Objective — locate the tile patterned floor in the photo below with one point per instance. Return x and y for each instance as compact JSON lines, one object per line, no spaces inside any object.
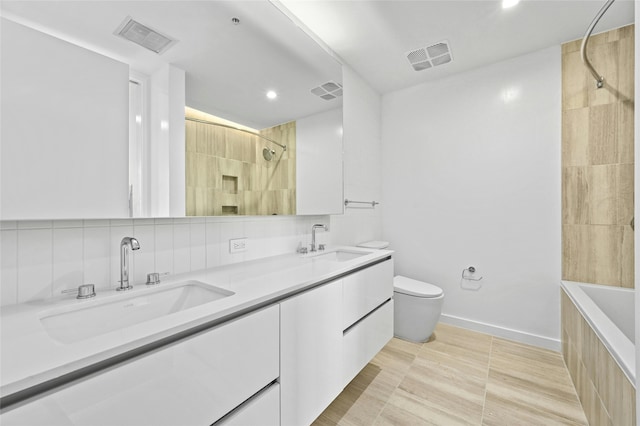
{"x":459,"y":377}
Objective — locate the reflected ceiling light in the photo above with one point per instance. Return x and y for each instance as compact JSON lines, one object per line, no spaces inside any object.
{"x":271,"y":94}
{"x":506,"y":4}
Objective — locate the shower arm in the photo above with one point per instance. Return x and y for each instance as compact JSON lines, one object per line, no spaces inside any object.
{"x":197,"y":120}
{"x":585,"y":40}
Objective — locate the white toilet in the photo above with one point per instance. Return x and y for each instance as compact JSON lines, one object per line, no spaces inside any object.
{"x":417,"y":305}
{"x":417,"y":308}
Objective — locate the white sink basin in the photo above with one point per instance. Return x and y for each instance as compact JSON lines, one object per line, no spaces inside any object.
{"x":340,"y":255}
{"x":78,"y":324}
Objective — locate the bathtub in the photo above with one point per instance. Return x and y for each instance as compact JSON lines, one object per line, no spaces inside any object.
{"x":610,"y":311}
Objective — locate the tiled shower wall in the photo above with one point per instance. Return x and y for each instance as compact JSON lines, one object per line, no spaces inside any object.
{"x":598,"y":161}
{"x":42,"y":258}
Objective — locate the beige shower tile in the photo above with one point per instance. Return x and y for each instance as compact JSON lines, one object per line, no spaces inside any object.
{"x":626,"y":52}
{"x":575,"y":137}
{"x":575,"y":195}
{"x":190,"y":136}
{"x":606,"y":254}
{"x":575,"y":259}
{"x":625,"y":130}
{"x":571,"y":46}
{"x":628,"y":260}
{"x":574,"y":80}
{"x":603,"y":134}
{"x":191,"y":169}
{"x":602,"y":196}
{"x":624,"y":195}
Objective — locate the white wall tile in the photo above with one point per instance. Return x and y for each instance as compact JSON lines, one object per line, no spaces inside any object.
{"x":35,"y":224}
{"x":213,"y":244}
{"x":35,"y":257}
{"x":181,"y":247}
{"x":97,"y":257}
{"x":68,"y":265}
{"x":198,"y":231}
{"x":144,"y":259}
{"x":164,"y":248}
{"x":9,"y":265}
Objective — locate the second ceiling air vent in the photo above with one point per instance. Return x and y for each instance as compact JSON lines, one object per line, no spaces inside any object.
{"x":327,"y":91}
{"x":430,"y":56}
{"x":144,"y":36}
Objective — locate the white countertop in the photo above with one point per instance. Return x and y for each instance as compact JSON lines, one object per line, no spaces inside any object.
{"x":29,"y":356}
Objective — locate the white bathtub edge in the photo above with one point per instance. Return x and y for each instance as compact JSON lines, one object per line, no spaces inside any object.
{"x":503,"y":332}
{"x":622,"y":350}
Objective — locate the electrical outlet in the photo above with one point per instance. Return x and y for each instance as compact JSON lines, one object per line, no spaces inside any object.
{"x":237,"y":245}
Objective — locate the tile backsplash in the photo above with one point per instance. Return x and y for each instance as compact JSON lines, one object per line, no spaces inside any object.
{"x":42,"y":258}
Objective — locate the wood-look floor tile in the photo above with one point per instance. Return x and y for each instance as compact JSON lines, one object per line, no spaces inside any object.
{"x":408,"y":409}
{"x":446,"y":387}
{"x":510,"y":395}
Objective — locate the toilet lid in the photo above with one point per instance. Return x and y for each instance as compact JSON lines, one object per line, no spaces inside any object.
{"x":378,"y":245}
{"x":417,"y":288}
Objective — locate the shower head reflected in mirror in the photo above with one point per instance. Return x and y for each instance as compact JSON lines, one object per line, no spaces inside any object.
{"x":268,"y":154}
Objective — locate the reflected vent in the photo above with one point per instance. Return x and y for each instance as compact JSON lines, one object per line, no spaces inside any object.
{"x":430,"y":56}
{"x":144,"y":36}
{"x":328,"y":91}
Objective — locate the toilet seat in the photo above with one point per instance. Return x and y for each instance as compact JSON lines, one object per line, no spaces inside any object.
{"x":415,"y":288}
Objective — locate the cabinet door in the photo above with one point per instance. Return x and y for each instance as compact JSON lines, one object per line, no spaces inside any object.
{"x":366,"y":290}
{"x":263,"y":409}
{"x":365,"y":339}
{"x":192,"y":382}
{"x":310,"y":353}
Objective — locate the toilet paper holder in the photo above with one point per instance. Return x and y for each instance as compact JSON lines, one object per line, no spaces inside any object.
{"x":470,"y":270}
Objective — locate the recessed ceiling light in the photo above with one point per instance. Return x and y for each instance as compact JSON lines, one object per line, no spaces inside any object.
{"x":506,"y":4}
{"x":271,"y":94}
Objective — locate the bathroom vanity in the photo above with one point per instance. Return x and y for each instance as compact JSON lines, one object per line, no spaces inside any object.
{"x":273,"y":343}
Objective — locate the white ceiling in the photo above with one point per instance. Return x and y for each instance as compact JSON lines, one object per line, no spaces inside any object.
{"x":373,"y":37}
{"x":229,"y":68}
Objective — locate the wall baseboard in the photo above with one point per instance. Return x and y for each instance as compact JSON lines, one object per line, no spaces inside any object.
{"x":503,"y":332}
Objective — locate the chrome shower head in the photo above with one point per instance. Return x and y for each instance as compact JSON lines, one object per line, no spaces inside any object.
{"x":268,"y":154}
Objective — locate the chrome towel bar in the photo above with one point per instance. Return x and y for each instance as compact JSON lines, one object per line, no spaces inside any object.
{"x":372,"y":203}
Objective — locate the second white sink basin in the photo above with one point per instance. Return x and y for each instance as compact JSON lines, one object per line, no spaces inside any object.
{"x":340,"y":255}
{"x":95,"y":319}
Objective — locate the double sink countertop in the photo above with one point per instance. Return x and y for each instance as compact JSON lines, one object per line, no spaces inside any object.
{"x":32,"y":357}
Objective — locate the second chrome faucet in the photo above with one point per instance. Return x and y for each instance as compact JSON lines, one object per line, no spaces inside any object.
{"x":313,"y":234}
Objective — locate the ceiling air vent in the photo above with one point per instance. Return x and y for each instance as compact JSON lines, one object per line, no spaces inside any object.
{"x":327,"y":91}
{"x":430,"y":56}
{"x":144,"y":36}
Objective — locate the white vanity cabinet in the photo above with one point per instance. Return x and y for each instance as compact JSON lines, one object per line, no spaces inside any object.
{"x":195,"y":381}
{"x":367,"y":316}
{"x":310,"y":353}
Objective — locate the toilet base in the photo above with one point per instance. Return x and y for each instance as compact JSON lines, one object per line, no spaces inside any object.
{"x":415,"y":318}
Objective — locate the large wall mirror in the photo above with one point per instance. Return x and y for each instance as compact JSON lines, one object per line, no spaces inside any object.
{"x":168,"y":108}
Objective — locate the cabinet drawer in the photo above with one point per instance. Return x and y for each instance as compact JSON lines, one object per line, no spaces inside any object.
{"x":263,"y":409}
{"x":195,"y":381}
{"x":364,"y":290}
{"x":365,"y":339}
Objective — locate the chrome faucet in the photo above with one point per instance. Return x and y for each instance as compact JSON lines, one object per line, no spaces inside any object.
{"x":124,"y":261}
{"x":313,"y":234}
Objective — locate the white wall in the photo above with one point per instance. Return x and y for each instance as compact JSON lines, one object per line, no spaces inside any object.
{"x":472,"y":177}
{"x":362,"y":162}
